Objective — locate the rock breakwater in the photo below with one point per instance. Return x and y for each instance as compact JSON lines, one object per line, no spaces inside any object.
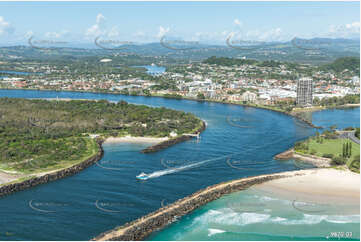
{"x":144,"y":226}
{"x":170,"y":142}
{"x":51,"y":176}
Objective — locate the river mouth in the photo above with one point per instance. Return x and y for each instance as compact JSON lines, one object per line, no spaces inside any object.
{"x":76,"y":200}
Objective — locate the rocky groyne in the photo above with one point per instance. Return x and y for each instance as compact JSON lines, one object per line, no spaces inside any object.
{"x":307,"y":122}
{"x":170,"y":142}
{"x":317,"y":161}
{"x":286,"y":155}
{"x":51,"y":176}
{"x":144,"y":226}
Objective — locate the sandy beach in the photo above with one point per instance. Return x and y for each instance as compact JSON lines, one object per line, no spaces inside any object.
{"x":326,"y":185}
{"x":130,"y":139}
{"x":318,"y":185}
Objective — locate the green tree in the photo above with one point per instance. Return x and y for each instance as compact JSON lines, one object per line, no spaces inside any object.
{"x":200,"y":96}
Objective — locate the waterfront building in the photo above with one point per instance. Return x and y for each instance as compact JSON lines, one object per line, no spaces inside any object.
{"x":249,"y":97}
{"x":304,"y":92}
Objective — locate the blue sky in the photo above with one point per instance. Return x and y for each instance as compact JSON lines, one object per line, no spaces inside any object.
{"x":198,"y":21}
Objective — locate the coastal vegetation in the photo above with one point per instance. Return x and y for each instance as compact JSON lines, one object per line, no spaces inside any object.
{"x":38,"y":135}
{"x":337,"y":101}
{"x":328,"y":145}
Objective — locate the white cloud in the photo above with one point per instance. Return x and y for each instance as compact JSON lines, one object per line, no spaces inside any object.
{"x":113,"y":32}
{"x":237,"y":22}
{"x":345,"y":30}
{"x":271,"y":35}
{"x":98,"y":28}
{"x":162,"y":31}
{"x":274,"y":34}
{"x":5,"y":27}
{"x":139,"y":34}
{"x":56,"y":35}
{"x":28,"y":34}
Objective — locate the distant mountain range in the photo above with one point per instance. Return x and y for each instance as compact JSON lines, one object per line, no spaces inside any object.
{"x":313,"y":51}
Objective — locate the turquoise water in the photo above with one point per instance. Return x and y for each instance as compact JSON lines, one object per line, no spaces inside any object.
{"x":107,"y":194}
{"x":255,"y":215}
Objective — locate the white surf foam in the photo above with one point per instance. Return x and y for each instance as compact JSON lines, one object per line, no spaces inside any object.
{"x":227,"y":216}
{"x":215,"y":231}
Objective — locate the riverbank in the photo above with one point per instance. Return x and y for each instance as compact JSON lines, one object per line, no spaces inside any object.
{"x":45,"y":177}
{"x":275,"y":109}
{"x":130,"y":139}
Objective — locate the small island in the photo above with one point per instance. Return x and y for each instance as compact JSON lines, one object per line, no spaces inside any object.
{"x":43,"y":140}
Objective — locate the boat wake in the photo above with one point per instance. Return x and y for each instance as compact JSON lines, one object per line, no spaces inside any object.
{"x":177,"y":169}
{"x":199,"y":163}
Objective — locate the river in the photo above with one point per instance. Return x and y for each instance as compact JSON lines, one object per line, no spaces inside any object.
{"x":107,"y":195}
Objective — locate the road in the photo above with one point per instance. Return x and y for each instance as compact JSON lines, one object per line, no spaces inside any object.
{"x":349,"y":135}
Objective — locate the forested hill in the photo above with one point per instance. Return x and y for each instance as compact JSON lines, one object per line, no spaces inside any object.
{"x":46,"y":133}
{"x":350,"y":63}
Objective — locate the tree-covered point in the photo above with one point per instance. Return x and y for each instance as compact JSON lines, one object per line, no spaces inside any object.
{"x":42,"y":133}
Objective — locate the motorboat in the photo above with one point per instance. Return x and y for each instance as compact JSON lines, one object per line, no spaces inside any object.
{"x":142,"y":176}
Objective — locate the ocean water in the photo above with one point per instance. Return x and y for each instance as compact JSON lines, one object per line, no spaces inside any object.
{"x":238,"y":142}
{"x":255,"y":215}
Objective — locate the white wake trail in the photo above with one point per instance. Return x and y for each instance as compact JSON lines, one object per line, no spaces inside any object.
{"x":182,"y":168}
{"x":189,"y":166}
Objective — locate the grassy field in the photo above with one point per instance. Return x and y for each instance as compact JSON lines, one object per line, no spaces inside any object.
{"x":331,"y":146}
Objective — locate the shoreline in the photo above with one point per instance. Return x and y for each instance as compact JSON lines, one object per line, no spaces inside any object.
{"x":11,"y":182}
{"x":320,"y":162}
{"x":42,"y":178}
{"x":131,"y":139}
{"x":142,"y":227}
{"x":289,"y":182}
{"x":191,"y":99}
{"x":316,"y":187}
{"x":169,"y":142}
